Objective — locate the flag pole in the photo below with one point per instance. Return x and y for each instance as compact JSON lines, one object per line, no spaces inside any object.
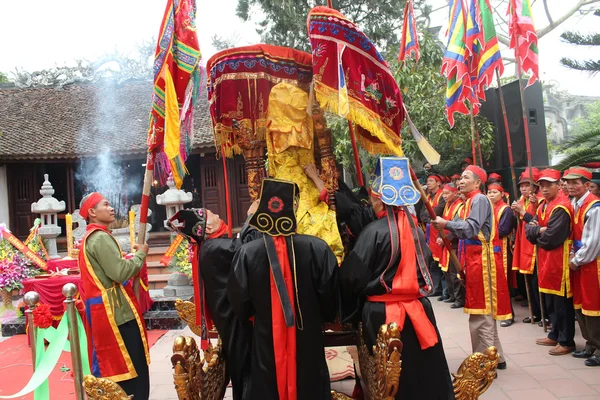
{"x":527,"y":142}
{"x":479,"y":146}
{"x":359,"y":174}
{"x":511,"y":160}
{"x":148,"y":178}
{"x":513,"y":176}
{"x":473,"y":150}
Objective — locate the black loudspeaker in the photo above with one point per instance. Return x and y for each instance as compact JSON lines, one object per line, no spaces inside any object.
{"x":534,"y":106}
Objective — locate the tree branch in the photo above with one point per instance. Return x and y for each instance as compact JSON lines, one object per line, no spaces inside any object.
{"x":548,"y":12}
{"x":553,"y":24}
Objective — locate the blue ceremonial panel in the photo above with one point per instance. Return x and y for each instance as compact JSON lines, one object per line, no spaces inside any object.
{"x":396,"y":186}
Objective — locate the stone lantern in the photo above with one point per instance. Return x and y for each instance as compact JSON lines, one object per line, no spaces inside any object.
{"x":173,"y":199}
{"x":48,"y":207}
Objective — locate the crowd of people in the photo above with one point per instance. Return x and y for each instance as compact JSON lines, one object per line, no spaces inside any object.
{"x":268,"y":290}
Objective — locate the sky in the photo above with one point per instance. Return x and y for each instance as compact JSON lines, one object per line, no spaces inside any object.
{"x":40,"y":34}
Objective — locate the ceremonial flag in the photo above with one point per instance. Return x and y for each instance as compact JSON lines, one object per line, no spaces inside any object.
{"x":482,"y":42}
{"x":176,"y":85}
{"x":455,"y":65}
{"x":409,"y":42}
{"x":489,"y":58}
{"x":456,"y":54}
{"x":522,"y":34}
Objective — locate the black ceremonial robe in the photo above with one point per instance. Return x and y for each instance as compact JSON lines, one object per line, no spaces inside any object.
{"x":353,"y":212}
{"x":216,"y":256}
{"x":315,"y":302}
{"x":425,"y":373}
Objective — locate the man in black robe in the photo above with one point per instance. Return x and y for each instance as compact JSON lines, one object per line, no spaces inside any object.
{"x":286,"y":283}
{"x":385,"y":279}
{"x":215,"y":256}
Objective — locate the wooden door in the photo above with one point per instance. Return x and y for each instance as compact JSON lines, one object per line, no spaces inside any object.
{"x":240,"y":197}
{"x":21,"y":193}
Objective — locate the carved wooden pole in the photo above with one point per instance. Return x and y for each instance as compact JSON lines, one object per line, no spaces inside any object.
{"x":254,"y":152}
{"x":329,"y":172}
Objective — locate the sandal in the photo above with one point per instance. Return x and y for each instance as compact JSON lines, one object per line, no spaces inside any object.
{"x":507,"y":323}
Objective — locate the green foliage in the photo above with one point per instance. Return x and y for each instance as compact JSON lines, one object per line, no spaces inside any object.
{"x":581,"y":149}
{"x":589,"y":121}
{"x":576,"y":38}
{"x":285,"y":20}
{"x":4,"y":78}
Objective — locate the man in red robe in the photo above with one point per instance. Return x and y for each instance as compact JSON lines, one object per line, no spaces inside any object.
{"x":434,"y":197}
{"x":117,"y":339}
{"x":550,"y":231}
{"x":585,"y":262}
{"x":485,"y":300}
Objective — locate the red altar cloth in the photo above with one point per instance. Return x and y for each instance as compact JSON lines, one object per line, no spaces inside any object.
{"x":50,"y":291}
{"x":57,"y":265}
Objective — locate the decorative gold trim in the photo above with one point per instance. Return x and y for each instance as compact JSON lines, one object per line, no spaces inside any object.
{"x":381,"y":370}
{"x":475,"y":374}
{"x":198,"y":377}
{"x":103,"y":389}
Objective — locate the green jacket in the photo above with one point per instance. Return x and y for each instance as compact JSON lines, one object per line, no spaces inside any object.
{"x":109,"y":266}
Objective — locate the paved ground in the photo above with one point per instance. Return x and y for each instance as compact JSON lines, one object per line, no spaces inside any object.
{"x":532,"y":373}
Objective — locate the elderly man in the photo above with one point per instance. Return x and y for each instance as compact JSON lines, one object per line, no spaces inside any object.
{"x":214,"y":253}
{"x":485,"y":301}
{"x":585,"y":262}
{"x":118,"y":345}
{"x":550,"y":231}
{"x":437,"y":202}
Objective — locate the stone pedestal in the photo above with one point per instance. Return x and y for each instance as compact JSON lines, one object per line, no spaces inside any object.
{"x":173,"y":199}
{"x":48,"y":207}
{"x":178,"y":285}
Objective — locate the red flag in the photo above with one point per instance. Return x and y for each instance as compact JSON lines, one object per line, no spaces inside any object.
{"x":409,"y":42}
{"x":176,"y":83}
{"x":524,"y":38}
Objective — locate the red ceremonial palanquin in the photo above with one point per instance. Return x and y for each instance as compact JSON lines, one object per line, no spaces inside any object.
{"x":586,"y":280}
{"x":450,"y":211}
{"x":501,"y":246}
{"x":432,"y":233}
{"x":108,"y":355}
{"x":483,"y":295}
{"x":524,"y":251}
{"x":553,"y":265}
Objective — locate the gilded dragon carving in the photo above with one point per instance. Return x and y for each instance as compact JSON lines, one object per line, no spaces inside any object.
{"x":475,"y":374}
{"x":196,"y":376}
{"x":187,"y":312}
{"x":103,"y":389}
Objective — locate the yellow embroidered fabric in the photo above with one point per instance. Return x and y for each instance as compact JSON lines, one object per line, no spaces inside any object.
{"x":290,"y":148}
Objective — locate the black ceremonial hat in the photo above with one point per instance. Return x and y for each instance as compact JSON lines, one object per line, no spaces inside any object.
{"x":190,"y":222}
{"x":276,"y":215}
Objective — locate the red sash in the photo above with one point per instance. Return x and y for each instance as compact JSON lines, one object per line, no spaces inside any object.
{"x":284,"y":338}
{"x":404,"y":297}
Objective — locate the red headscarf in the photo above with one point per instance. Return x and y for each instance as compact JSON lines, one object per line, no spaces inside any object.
{"x":496,"y":187}
{"x":450,"y":188}
{"x":480,"y":172}
{"x":92,"y":201}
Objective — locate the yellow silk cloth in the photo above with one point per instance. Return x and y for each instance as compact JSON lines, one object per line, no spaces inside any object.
{"x":290,"y":149}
